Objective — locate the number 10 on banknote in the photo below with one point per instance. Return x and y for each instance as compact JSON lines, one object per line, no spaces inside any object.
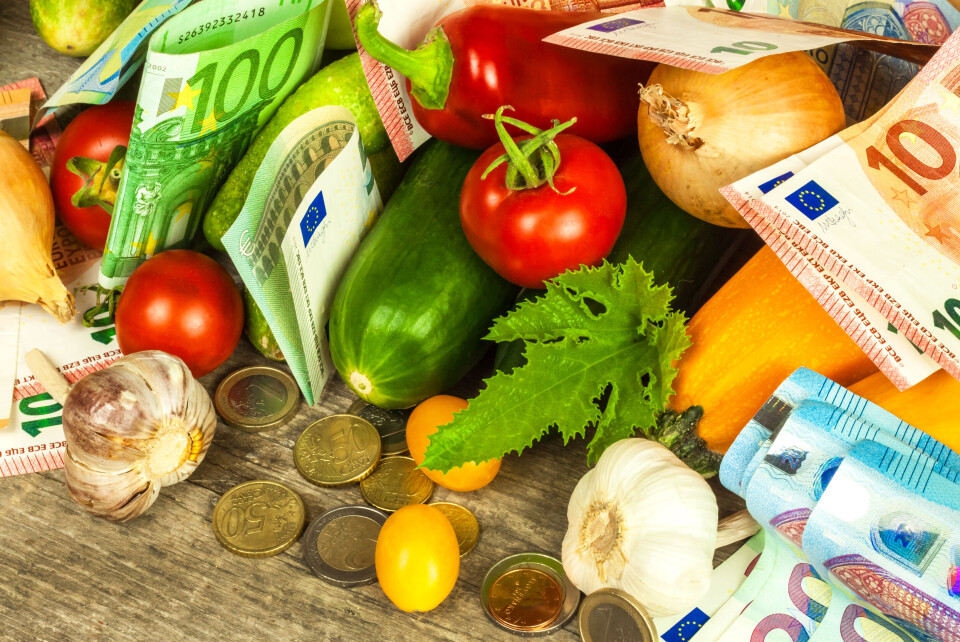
{"x":214,"y":74}
{"x":880,"y":209}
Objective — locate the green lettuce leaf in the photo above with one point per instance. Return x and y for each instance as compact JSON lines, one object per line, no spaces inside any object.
{"x":600,"y":347}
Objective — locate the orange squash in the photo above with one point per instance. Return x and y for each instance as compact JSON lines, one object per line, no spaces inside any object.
{"x":750,"y":336}
{"x":933,"y":405}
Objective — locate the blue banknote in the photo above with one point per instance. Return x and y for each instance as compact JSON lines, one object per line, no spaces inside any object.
{"x":887,"y":531}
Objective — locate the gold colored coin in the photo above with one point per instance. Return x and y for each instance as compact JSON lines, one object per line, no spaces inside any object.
{"x":337,"y":450}
{"x":464,"y":523}
{"x":525,"y":599}
{"x":258,"y":518}
{"x":395,"y":483}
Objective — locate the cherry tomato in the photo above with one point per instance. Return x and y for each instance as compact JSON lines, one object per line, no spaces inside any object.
{"x":531,"y":235}
{"x":426,"y":420}
{"x":417,"y":558}
{"x":184,"y":303}
{"x":79,"y":165}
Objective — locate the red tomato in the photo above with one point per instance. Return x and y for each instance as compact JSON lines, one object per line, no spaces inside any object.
{"x":184,"y":303}
{"x":92,"y":135}
{"x":531,"y":235}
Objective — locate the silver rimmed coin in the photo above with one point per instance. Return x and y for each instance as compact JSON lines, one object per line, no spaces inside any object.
{"x":340,"y":545}
{"x":257,"y":398}
{"x":391,"y":424}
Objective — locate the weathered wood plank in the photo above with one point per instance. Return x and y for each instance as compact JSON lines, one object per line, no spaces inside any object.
{"x":164,"y":576}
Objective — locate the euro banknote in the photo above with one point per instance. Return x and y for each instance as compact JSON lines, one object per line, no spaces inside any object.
{"x":214,"y":74}
{"x":886,"y":530}
{"x":108,"y":68}
{"x":45,"y":133}
{"x":848,"y":490}
{"x":735,"y":605}
{"x":717,"y":40}
{"x":725,"y":582}
{"x":311,"y":201}
{"x":881,"y":211}
{"x":31,"y":431}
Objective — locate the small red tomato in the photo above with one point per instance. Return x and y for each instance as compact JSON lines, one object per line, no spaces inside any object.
{"x":184,"y":303}
{"x":530,"y":235}
{"x":80,"y":163}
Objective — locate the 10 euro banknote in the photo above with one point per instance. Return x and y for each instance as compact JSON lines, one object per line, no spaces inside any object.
{"x":879,"y":211}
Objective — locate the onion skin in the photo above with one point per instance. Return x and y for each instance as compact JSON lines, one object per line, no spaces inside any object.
{"x":26,"y":227}
{"x":745,"y":119}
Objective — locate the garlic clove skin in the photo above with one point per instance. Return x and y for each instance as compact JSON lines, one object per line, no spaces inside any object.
{"x":140,"y":424}
{"x":645,"y":523}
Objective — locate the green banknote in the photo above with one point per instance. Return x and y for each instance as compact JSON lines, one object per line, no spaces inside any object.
{"x":119,"y":56}
{"x":214,"y":74}
{"x":311,"y":202}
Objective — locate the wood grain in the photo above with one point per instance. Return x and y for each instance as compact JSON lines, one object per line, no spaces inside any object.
{"x":165,"y":577}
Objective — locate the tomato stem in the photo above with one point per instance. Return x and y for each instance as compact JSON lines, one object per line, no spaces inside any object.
{"x":534,"y":161}
{"x":106,"y":301}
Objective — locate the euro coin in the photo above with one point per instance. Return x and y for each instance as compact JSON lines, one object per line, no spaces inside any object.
{"x":395,"y":483}
{"x":258,"y":518}
{"x":337,"y":450}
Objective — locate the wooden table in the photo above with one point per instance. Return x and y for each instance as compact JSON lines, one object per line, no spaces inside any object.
{"x":164,"y":576}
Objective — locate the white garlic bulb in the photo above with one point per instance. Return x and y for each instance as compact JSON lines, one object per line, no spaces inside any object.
{"x":139,"y":424}
{"x":643,"y":522}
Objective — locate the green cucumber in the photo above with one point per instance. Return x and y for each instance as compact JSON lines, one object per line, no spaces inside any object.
{"x":679,"y":249}
{"x":411,"y":310}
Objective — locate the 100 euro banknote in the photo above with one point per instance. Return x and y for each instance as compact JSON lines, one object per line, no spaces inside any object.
{"x":214,"y":74}
{"x":880,"y":210}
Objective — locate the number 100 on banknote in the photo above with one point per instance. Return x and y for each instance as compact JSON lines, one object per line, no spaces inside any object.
{"x":214,"y":74}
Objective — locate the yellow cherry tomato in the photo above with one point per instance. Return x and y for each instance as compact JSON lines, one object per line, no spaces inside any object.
{"x":423,"y":422}
{"x":417,"y":557}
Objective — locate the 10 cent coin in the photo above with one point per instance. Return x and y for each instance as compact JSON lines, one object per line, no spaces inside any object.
{"x":258,"y":518}
{"x":257,"y":398}
{"x":337,"y":450}
{"x":340,"y":545}
{"x":395,"y":483}
{"x":464,"y":523}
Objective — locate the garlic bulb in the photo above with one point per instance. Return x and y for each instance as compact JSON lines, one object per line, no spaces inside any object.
{"x":645,"y":523}
{"x":26,"y":227}
{"x":139,"y":424}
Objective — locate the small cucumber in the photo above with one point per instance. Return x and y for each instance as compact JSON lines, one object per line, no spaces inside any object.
{"x":410,"y":313}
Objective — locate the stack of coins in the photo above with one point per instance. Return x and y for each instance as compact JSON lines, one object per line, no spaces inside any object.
{"x":363,"y":445}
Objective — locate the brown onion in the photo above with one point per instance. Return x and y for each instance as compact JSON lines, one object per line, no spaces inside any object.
{"x":699,"y":132}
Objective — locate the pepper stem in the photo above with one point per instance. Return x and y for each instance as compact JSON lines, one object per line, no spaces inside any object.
{"x":429,"y":67}
{"x":672,"y":115}
{"x":534,"y":161}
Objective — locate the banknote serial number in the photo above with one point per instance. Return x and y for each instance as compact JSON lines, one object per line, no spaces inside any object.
{"x":222,"y":22}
